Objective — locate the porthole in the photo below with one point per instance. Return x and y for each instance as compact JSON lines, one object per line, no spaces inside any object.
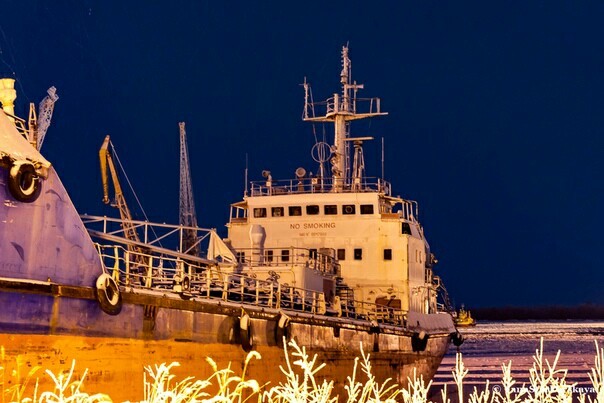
{"x":348,"y":209}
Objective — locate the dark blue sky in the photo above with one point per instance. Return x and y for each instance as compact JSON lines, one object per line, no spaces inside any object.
{"x":495,"y":122}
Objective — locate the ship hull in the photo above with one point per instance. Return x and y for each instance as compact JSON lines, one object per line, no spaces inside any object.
{"x":51,"y":312}
{"x":115,"y":366}
{"x":115,"y":349}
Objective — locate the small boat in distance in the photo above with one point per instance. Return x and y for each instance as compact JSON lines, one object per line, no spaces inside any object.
{"x":464,"y":318}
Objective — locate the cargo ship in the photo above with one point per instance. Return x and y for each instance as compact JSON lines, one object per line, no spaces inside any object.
{"x":332,"y":260}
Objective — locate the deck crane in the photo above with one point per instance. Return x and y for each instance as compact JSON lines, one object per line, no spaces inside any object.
{"x":45,"y":110}
{"x":120,"y":203}
{"x":188,"y":218}
{"x":139,"y":260}
{"x":37,"y":124}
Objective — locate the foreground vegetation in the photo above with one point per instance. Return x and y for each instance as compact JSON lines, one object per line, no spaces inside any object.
{"x":547,"y":383}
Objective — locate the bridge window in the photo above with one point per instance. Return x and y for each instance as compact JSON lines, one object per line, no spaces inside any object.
{"x":259,"y":212}
{"x":285,"y":255}
{"x":366,"y":208}
{"x":348,"y":209}
{"x":330,"y":209}
{"x":387,"y":254}
{"x":341,"y":254}
{"x":277,"y":211}
{"x":295,"y":210}
{"x":358,"y":254}
{"x":406,"y":228}
{"x":312,"y":209}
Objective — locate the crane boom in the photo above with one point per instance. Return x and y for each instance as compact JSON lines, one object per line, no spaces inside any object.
{"x":46,"y":108}
{"x":188,"y":217}
{"x":106,"y":161}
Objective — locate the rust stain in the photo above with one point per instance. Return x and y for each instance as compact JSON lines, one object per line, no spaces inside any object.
{"x":116,"y":366}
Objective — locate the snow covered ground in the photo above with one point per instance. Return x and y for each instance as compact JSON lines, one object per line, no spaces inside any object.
{"x":490,"y":344}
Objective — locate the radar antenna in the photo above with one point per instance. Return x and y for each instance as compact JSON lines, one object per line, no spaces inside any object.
{"x":188,"y":218}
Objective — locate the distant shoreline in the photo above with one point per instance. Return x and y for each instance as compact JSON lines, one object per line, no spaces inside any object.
{"x":550,"y":312}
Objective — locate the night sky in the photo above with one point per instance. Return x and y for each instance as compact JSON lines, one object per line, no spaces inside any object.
{"x":495,"y":119}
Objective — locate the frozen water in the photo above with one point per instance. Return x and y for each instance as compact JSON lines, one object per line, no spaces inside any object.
{"x":490,"y":344}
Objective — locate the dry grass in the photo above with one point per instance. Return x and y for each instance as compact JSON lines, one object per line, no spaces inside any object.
{"x":547,"y":383}
{"x":18,"y":383}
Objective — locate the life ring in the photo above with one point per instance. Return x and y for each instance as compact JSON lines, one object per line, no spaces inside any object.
{"x":184,"y":287}
{"x":282,"y":329}
{"x":186,"y":283}
{"x":457,"y":339}
{"x":108,"y":294}
{"x":23,"y":182}
{"x":419,"y":341}
{"x":245,"y":333}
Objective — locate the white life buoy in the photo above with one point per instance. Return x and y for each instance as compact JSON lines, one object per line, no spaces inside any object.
{"x":108,"y":294}
{"x":23,"y":182}
{"x":186,"y":283}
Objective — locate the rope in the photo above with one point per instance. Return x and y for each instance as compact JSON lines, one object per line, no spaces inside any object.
{"x":117,"y":158}
{"x":140,"y":206}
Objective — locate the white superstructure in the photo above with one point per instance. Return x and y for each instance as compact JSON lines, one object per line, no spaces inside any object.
{"x":383,"y":256}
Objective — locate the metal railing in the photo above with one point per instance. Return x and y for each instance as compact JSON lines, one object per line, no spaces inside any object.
{"x":288,"y":257}
{"x":152,"y":235}
{"x":342,"y":104}
{"x":372,"y":312}
{"x":318,"y":185}
{"x":192,"y":280}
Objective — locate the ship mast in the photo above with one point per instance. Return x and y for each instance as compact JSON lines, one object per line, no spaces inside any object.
{"x":340,"y":110}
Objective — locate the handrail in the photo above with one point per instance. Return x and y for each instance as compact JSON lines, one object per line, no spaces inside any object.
{"x":182,"y":277}
{"x":151,"y":234}
{"x":146,"y":224}
{"x":315,"y":260}
{"x":318,"y":185}
{"x":368,"y":106}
